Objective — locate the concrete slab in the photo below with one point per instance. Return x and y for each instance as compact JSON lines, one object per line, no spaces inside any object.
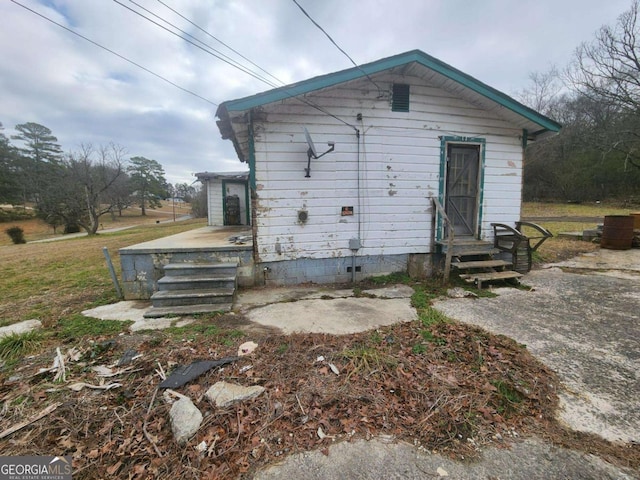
{"x":377,"y":459}
{"x":20,"y":327}
{"x":133,"y":310}
{"x":324,"y":310}
{"x":583,"y":326}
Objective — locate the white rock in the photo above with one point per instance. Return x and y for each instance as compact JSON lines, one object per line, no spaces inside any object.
{"x":223,"y":394}
{"x":185,"y":420}
{"x":20,"y":327}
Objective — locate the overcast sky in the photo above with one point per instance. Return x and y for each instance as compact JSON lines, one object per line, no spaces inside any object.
{"x":86,"y":95}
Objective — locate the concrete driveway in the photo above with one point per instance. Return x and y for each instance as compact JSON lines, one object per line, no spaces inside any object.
{"x":582,"y":319}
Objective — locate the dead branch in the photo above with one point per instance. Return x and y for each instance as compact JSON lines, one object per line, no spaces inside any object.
{"x":31,"y":420}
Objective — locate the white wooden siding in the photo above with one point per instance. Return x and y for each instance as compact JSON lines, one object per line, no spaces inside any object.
{"x":399,"y":170}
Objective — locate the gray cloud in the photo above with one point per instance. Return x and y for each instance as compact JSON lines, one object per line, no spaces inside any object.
{"x":86,"y":95}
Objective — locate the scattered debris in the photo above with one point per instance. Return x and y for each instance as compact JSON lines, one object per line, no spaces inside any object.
{"x":246,"y":348}
{"x":334,"y":369}
{"x":442,"y":472}
{"x":127,"y":357}
{"x":459,"y":292}
{"x":239,"y":239}
{"x":76,"y":387}
{"x":385,"y":386}
{"x":223,"y":394}
{"x":31,"y":420}
{"x":107,"y":372}
{"x":59,"y":367}
{"x":182,"y":375}
{"x":185,"y":420}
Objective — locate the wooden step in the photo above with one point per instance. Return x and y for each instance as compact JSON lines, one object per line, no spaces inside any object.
{"x":475,"y":253}
{"x":480,"y":264}
{"x":479,"y":278}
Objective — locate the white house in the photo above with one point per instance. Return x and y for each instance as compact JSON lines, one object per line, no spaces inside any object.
{"x":227,"y":197}
{"x":404,"y":129}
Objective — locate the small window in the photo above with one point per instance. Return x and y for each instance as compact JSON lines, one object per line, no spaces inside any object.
{"x":400,"y":98}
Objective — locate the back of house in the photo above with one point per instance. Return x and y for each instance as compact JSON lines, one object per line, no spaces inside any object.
{"x":345,"y":169}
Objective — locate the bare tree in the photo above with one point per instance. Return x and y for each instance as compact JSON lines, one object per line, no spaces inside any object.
{"x":97,"y":171}
{"x":543,"y":91}
{"x":81,"y":194}
{"x":607,"y":71}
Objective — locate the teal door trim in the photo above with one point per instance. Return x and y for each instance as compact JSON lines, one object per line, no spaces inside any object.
{"x":445,"y":141}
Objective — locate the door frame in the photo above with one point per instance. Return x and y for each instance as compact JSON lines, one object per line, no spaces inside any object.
{"x":445,"y":142}
{"x":245,"y":184}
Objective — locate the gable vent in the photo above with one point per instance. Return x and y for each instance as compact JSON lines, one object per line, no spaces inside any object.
{"x":400,"y":98}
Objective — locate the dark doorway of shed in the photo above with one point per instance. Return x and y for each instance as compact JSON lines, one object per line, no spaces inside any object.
{"x":461,"y":194}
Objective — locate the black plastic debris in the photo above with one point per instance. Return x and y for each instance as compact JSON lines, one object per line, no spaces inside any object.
{"x":182,"y":375}
{"x":127,"y":357}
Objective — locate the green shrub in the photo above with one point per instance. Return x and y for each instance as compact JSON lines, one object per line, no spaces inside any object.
{"x":17,"y":234}
{"x":14,"y":215}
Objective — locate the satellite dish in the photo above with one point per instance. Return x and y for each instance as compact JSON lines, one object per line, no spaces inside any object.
{"x":312,"y":152}
{"x":312,"y":147}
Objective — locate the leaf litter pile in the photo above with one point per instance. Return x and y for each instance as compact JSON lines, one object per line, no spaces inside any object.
{"x":441,"y":386}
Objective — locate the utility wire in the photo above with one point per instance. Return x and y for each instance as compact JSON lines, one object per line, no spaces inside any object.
{"x":206,"y":50}
{"x":114,"y":53}
{"x":229,"y":59}
{"x":337,"y":46}
{"x":221,"y":42}
{"x":234,"y":64}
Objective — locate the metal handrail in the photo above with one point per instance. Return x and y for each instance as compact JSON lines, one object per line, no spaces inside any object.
{"x":450,"y":236}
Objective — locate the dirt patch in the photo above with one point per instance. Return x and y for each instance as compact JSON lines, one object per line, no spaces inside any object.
{"x":447,"y":388}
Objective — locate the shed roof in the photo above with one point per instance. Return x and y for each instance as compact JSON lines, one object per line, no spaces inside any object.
{"x":201,"y":176}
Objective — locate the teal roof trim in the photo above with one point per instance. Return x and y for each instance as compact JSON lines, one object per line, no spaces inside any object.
{"x":417,"y":56}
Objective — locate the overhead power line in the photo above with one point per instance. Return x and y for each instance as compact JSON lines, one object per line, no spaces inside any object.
{"x":114,"y":53}
{"x":337,"y":46}
{"x":233,"y":63}
{"x":220,"y":41}
{"x":203,"y":46}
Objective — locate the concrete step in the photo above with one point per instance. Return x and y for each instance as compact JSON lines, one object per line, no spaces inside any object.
{"x":463,"y":265}
{"x":480,"y":278}
{"x":171,"y":298}
{"x":155,"y":312}
{"x":192,"y":268}
{"x":193,"y":282}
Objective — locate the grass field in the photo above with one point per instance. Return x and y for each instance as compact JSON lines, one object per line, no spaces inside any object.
{"x":538,"y":209}
{"x":38,"y":230}
{"x":556,"y":249}
{"x":53,"y":280}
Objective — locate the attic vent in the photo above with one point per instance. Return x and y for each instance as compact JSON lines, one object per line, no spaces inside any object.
{"x":400,"y":98}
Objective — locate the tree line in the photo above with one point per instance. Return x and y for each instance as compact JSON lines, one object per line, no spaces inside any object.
{"x":73,"y":190}
{"x":596,"y":98}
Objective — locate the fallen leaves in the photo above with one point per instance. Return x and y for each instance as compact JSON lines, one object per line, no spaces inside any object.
{"x":320,"y":389}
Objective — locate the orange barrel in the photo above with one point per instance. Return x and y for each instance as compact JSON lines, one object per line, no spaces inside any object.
{"x":617,"y":233}
{"x":636,"y":220}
